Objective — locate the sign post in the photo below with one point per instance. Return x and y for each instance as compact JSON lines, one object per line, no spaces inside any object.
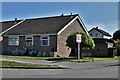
{"x":78,"y":40}
{"x":78,"y":50}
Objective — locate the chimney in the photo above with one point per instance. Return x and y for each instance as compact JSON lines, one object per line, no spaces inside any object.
{"x":62,"y":14}
{"x":15,"y":20}
{"x":71,"y":16}
{"x":97,"y":27}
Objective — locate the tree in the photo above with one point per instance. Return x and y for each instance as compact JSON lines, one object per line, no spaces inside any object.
{"x":87,"y":41}
{"x":116,"y":38}
{"x":116,"y":35}
{"x":117,"y":44}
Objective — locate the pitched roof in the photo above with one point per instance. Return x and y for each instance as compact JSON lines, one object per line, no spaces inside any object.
{"x":8,"y":24}
{"x":101,"y":31}
{"x":48,"y":25}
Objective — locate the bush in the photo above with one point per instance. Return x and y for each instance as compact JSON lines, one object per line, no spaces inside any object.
{"x":33,"y":53}
{"x":40,"y":54}
{"x":87,"y":41}
{"x":45,"y":54}
{"x":18,"y":53}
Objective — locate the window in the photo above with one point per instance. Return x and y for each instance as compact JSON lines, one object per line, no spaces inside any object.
{"x":44,"y":40}
{"x":29,"y":40}
{"x":96,"y":34}
{"x":90,"y":34}
{"x":13,"y":41}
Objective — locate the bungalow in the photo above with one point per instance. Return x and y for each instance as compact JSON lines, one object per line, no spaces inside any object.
{"x":44,"y":34}
{"x":0,"y":38}
{"x":7,"y":25}
{"x":103,"y":44}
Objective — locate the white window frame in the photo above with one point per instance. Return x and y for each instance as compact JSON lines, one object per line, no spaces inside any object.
{"x":29,"y":36}
{"x":15,"y":44}
{"x":44,"y":39}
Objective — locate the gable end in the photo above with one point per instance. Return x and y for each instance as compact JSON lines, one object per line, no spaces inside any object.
{"x":80,"y":21}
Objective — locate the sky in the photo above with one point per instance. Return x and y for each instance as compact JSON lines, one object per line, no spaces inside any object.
{"x":93,"y":14}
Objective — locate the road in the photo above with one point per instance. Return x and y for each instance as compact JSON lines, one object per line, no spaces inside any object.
{"x":100,"y":69}
{"x":101,"y":72}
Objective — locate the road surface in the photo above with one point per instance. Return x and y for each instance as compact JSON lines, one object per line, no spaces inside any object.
{"x":102,"y":69}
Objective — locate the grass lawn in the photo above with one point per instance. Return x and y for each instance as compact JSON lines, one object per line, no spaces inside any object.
{"x":95,"y":59}
{"x":103,"y":59}
{"x":26,"y":57}
{"x":25,"y":65}
{"x":72,"y":59}
{"x":40,"y":58}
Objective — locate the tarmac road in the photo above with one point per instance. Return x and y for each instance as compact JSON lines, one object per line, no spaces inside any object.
{"x":101,"y":72}
{"x":98,"y":69}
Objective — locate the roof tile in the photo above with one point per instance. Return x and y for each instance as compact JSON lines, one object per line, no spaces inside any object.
{"x":48,"y":25}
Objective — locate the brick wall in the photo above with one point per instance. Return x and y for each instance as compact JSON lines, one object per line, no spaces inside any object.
{"x":0,"y":41}
{"x":8,"y":49}
{"x":0,"y":47}
{"x":62,"y":49}
{"x":100,"y":50}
